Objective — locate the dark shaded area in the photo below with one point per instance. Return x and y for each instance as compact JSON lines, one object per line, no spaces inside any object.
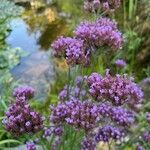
{"x":51,"y":32}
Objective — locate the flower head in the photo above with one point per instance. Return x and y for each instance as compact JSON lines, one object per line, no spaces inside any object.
{"x":120,"y":116}
{"x":147,"y":81}
{"x":120,"y":63}
{"x":30,"y":146}
{"x":148,"y":118}
{"x":103,"y":32}
{"x":139,"y":147}
{"x":21,"y":119}
{"x":146,"y":136}
{"x":104,"y":6}
{"x":108,"y":132}
{"x":80,"y":115}
{"x":26,"y":91}
{"x":88,"y":143}
{"x":70,"y":48}
{"x":117,"y":89}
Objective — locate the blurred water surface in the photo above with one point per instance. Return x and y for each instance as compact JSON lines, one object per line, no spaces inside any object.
{"x":40,"y":24}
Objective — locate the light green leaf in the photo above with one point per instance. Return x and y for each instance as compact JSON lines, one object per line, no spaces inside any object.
{"x":9,"y":141}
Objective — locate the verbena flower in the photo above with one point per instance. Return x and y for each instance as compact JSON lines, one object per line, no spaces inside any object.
{"x":120,"y":63}
{"x":147,"y":81}
{"x":116,"y":89}
{"x":60,"y":45}
{"x":146,"y":136}
{"x":103,"y":6}
{"x":30,"y":146}
{"x":21,"y":119}
{"x":70,"y":48}
{"x":88,"y":143}
{"x":108,"y":132}
{"x":139,"y":147}
{"x":26,"y":91}
{"x":47,"y":132}
{"x":57,"y":131}
{"x":120,"y":116}
{"x":94,"y":77}
{"x":148,"y":117}
{"x":102,"y":32}
{"x":80,"y":115}
{"x":92,"y":5}
{"x":103,"y":21}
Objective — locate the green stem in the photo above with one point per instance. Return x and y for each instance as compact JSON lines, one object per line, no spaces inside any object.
{"x":69,"y":76}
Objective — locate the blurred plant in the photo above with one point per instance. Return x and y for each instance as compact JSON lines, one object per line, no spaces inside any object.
{"x":8,"y":10}
{"x":9,"y":57}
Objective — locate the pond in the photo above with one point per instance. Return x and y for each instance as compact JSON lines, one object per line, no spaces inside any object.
{"x":34,"y":32}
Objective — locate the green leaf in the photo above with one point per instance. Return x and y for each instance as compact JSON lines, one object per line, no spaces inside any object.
{"x":9,"y":141}
{"x":3,"y":117}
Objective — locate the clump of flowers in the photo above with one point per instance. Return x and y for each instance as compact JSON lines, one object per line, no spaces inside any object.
{"x":148,"y":118}
{"x":111,"y":97}
{"x":147,"y":81}
{"x":139,"y":147}
{"x":57,"y":131}
{"x":30,"y":146}
{"x":121,"y":116}
{"x":88,"y":143}
{"x":101,"y":5}
{"x":117,"y":89}
{"x":108,"y":132}
{"x":146,"y":136}
{"x":120,"y":63}
{"x":72,"y":49}
{"x":26,"y":91}
{"x":89,"y":36}
{"x":80,"y":115}
{"x":102,"y":32}
{"x":96,"y":108}
{"x":21,"y":119}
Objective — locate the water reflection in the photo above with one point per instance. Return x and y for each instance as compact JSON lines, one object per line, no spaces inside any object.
{"x":35,"y":30}
{"x":51,"y":32}
{"x":20,"y":37}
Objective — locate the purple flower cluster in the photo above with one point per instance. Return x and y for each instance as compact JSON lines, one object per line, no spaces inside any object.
{"x":102,"y":32}
{"x":26,"y":91}
{"x":21,"y":119}
{"x":88,"y":143}
{"x":148,"y":118}
{"x":120,"y":63}
{"x":147,"y":81}
{"x":119,"y":115}
{"x":146,"y":136}
{"x":101,"y":5}
{"x":139,"y":147}
{"x":88,"y":36}
{"x":57,"y":131}
{"x":80,"y":115}
{"x":30,"y":146}
{"x":122,"y":116}
{"x":72,"y":49}
{"x":117,"y":89}
{"x":108,"y":132}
